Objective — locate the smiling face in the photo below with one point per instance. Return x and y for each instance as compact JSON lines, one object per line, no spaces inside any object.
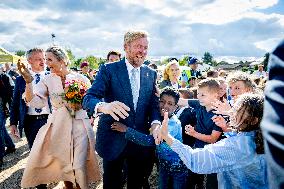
{"x":237,"y":88}
{"x":54,"y":64}
{"x":223,"y":89}
{"x":206,"y":96}
{"x":37,"y":61}
{"x":174,"y":72}
{"x":136,"y":51}
{"x":167,"y":103}
{"x":85,"y":69}
{"x":113,"y":58}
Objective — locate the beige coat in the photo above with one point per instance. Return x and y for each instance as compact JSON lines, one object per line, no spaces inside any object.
{"x":64,"y":148}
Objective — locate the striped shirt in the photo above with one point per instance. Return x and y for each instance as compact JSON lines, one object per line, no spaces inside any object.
{"x":233,"y":158}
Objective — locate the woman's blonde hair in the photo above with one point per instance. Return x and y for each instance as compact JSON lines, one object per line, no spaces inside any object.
{"x":166,"y":72}
{"x":244,"y":77}
{"x":59,"y":53}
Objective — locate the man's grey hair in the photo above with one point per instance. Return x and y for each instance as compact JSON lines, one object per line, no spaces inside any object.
{"x":59,"y":53}
{"x":31,"y":51}
{"x":132,"y":35}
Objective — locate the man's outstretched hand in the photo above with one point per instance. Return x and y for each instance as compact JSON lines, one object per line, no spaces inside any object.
{"x":115,"y":109}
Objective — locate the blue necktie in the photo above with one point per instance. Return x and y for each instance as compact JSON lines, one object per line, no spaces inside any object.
{"x":37,"y":79}
{"x":134,"y":86}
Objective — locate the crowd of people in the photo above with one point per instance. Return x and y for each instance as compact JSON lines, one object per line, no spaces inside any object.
{"x":201,"y":129}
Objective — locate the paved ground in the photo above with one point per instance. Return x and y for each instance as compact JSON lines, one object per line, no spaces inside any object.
{"x":14,"y":164}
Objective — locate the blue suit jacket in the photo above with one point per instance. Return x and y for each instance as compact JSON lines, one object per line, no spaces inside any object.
{"x":112,"y":83}
{"x":18,"y":107}
{"x":272,"y":124}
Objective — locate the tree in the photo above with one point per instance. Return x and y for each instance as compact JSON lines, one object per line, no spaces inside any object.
{"x":165,"y":61}
{"x":265,"y":61}
{"x":77,"y":62}
{"x":223,"y":63}
{"x":94,"y":62}
{"x":183,"y":61}
{"x":20,"y":53}
{"x":70,"y":55}
{"x":207,"y":58}
{"x":214,"y":63}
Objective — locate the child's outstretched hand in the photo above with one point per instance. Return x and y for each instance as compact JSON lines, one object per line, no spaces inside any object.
{"x":164,"y":130}
{"x":189,"y":130}
{"x":117,"y":126}
{"x":220,"y":122}
{"x":221,"y":107}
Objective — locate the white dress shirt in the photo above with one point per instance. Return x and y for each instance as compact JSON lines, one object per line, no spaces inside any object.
{"x":46,"y":109}
{"x":129,"y":70}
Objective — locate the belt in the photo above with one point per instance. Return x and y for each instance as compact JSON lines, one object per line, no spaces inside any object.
{"x":42,"y":116}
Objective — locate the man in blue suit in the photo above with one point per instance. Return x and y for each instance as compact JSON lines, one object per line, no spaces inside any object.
{"x":272,"y":124}
{"x":128,"y":90}
{"x":26,"y":118}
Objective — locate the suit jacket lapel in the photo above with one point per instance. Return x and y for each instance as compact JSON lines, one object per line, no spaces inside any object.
{"x":122,"y":76}
{"x":143,"y":85}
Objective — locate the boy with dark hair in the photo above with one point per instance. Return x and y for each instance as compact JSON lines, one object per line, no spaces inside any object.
{"x":113,"y":56}
{"x":172,"y":172}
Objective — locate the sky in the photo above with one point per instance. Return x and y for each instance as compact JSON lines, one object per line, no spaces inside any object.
{"x":225,"y":28}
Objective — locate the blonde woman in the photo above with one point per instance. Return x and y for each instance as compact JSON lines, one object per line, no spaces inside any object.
{"x":171,"y":75}
{"x":64,"y":148}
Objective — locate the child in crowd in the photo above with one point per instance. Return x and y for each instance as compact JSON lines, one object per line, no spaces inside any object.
{"x":205,"y":131}
{"x":223,"y":89}
{"x":239,"y":159}
{"x":238,"y":83}
{"x":172,"y":172}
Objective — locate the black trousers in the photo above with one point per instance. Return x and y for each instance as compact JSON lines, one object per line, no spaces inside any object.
{"x":139,"y":163}
{"x":32,"y":125}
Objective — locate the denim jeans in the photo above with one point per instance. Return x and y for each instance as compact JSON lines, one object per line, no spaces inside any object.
{"x":5,"y":139}
{"x":169,"y":179}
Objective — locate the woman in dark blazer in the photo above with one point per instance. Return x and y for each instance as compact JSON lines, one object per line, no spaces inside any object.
{"x":171,"y":75}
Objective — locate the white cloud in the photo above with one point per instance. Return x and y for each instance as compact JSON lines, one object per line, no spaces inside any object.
{"x":176,"y":27}
{"x":269,"y":44}
{"x":218,"y":12}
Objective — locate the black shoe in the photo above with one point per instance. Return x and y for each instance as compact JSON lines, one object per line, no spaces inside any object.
{"x":9,"y":151}
{"x":1,"y":163}
{"x":41,"y":186}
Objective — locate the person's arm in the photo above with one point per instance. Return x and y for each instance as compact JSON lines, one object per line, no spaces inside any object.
{"x":155,"y":119}
{"x":139,"y":138}
{"x":203,"y":137}
{"x":92,"y":101}
{"x":14,"y":108}
{"x":194,"y":103}
{"x":214,"y":158}
{"x":227,"y":154}
{"x":36,"y":101}
{"x":222,"y":123}
{"x":133,"y":135}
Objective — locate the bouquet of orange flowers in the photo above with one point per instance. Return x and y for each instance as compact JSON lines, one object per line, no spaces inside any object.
{"x":74,"y":92}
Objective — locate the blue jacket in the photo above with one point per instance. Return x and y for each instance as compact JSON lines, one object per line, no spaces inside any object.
{"x":272,"y":124}
{"x":18,"y":109}
{"x":112,"y":84}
